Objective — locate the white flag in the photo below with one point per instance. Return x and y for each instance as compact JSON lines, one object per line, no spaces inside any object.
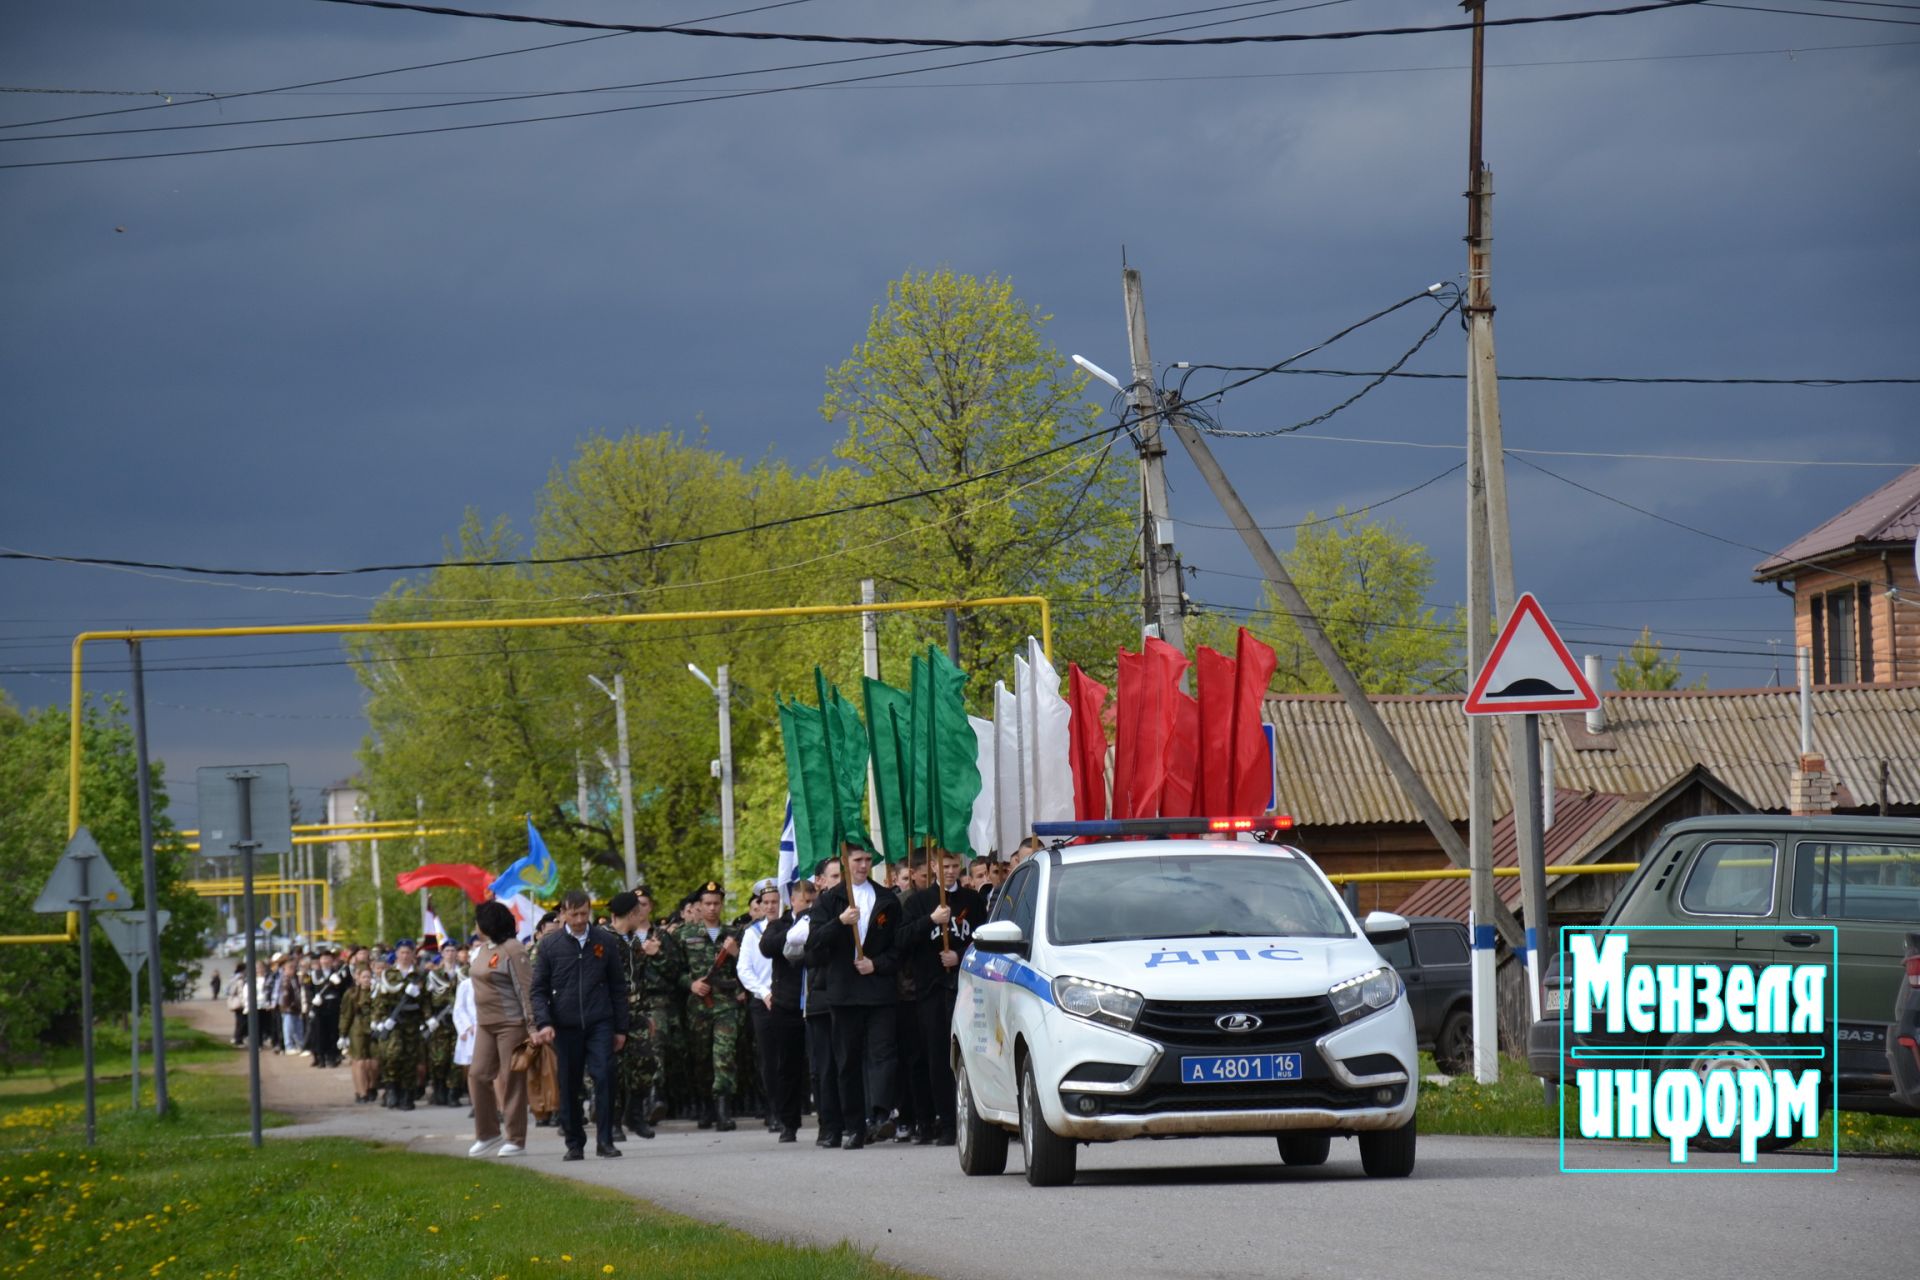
{"x":430,"y":922}
{"x":789,"y":853}
{"x":525,"y":915}
{"x":982,"y":828}
{"x":1050,"y":744}
{"x":1006,"y":768}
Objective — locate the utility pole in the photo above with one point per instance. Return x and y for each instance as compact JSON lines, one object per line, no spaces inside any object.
{"x":580,"y":794}
{"x":1161,"y":598}
{"x":1490,"y":590}
{"x":725,"y":694}
{"x":870,"y":667}
{"x":619,"y":695}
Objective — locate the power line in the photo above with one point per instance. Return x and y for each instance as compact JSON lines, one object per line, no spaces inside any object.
{"x":1011,"y":42}
{"x":1319,"y":520}
{"x":1613,"y":454}
{"x":1715,"y":4}
{"x":1611,"y":378}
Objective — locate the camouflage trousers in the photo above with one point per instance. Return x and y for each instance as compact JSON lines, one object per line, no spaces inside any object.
{"x":640,"y":1068}
{"x":713,"y":1034}
{"x":402,"y":1053}
{"x":440,"y":1068}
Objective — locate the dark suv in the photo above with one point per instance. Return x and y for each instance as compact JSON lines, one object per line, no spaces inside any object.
{"x":1434,"y":963}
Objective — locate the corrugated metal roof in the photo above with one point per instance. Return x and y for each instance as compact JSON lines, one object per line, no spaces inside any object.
{"x":1749,"y":738}
{"x":1890,"y":513}
{"x":1579,"y":818}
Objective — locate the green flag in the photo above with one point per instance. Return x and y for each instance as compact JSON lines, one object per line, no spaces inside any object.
{"x":809,"y":784}
{"x":889,"y":716}
{"x":946,"y":760}
{"x":847,"y":757}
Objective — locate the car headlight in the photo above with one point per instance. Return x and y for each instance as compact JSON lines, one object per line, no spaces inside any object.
{"x":1098,"y":1002}
{"x":1358,"y":996}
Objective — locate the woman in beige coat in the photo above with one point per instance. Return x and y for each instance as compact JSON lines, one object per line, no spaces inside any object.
{"x":502,"y":978}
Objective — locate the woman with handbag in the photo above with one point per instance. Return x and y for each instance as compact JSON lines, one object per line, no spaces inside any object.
{"x":503,"y":1016}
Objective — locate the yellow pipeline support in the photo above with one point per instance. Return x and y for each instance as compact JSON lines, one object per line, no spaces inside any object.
{"x":1461,"y":873}
{"x":384,"y":824}
{"x":75,"y":690}
{"x":234,"y":887}
{"x":193,"y":846}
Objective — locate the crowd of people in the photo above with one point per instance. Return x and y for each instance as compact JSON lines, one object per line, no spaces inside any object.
{"x":830,"y":996}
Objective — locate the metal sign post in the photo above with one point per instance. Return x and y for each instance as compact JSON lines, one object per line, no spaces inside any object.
{"x":128,"y":931}
{"x":82,"y":877}
{"x":245,"y":845}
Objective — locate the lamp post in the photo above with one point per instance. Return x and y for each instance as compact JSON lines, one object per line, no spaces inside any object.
{"x":619,"y":695}
{"x":723,"y":692}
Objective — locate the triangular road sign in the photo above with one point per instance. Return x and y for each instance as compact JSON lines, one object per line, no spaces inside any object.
{"x":127,"y":930}
{"x":63,"y":886}
{"x":1529,"y":670}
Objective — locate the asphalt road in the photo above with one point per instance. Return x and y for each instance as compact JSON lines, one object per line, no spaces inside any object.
{"x":1218,"y":1207}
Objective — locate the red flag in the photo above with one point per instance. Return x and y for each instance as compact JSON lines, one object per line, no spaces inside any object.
{"x":464,"y":876}
{"x":1144,"y":740}
{"x":1213,"y":793}
{"x":1254,"y":665}
{"x":1087,"y":744}
{"x":1183,"y":760}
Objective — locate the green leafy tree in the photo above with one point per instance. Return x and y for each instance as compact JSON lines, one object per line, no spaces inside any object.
{"x":1646,"y":667}
{"x":1367,"y":582}
{"x":954,"y":380}
{"x":40,"y":983}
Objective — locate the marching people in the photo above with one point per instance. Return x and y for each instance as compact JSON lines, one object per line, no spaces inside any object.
{"x":580,"y":1007}
{"x":938,"y":934}
{"x":823,"y":1069}
{"x":855,"y":933}
{"x":328,"y":986}
{"x":756,"y":976}
{"x":400,"y":1012}
{"x":714,"y":1000}
{"x":783,"y":1032}
{"x":442,"y":982}
{"x":356,"y":1034}
{"x":503,"y":1016}
{"x":652,"y":965}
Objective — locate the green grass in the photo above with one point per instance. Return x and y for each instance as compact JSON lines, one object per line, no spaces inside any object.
{"x":112,"y":1056}
{"x":1517,"y":1107}
{"x":189,"y":1197}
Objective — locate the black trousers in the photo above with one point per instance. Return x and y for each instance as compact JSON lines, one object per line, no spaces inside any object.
{"x":912,"y":1094}
{"x":936,"y":1019}
{"x":782,"y":1039}
{"x":864,"y":1049}
{"x":583,"y":1052}
{"x":825,"y":1070}
{"x":323,"y":1035}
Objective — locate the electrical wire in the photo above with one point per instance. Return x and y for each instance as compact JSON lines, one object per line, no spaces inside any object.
{"x":1712,"y":4}
{"x":1620,"y":379}
{"x":1342,"y":515}
{"x":1616,"y":455}
{"x":1012,"y":42}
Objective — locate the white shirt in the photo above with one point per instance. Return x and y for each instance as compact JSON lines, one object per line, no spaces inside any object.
{"x":796,"y":947}
{"x":863,"y":898}
{"x":580,"y":937}
{"x":463,"y":1023}
{"x":756,"y":970}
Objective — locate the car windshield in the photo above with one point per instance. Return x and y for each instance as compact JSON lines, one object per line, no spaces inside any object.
{"x":1191,"y":896}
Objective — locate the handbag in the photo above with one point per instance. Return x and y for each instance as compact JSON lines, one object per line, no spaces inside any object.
{"x":541,"y":1065}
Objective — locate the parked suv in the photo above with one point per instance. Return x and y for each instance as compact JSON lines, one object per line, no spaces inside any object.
{"x":1174,"y":988}
{"x":1753,"y":889}
{"x":1434,"y":960}
{"x":1903,"y":1037}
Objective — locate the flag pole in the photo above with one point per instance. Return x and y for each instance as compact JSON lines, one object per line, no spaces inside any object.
{"x":937,"y":837}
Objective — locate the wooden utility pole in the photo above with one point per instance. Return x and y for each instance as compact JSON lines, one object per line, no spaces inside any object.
{"x":1161,"y":598}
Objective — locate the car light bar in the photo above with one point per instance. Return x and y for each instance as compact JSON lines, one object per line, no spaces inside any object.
{"x":1109,"y":827}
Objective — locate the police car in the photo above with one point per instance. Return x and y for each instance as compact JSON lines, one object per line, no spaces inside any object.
{"x":1169,"y":988}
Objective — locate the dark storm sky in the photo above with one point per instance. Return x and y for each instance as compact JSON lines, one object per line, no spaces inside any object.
{"x":323,"y":355}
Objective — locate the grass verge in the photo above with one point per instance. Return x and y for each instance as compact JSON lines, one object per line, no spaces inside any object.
{"x":188,"y":1196}
{"x":112,"y":1057}
{"x":1518,"y":1107}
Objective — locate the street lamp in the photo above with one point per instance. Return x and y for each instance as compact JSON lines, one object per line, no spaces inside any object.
{"x":619,"y":695}
{"x":723,"y":692}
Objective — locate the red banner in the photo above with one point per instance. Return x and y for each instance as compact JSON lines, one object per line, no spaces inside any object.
{"x":464,"y":876}
{"x":1087,"y":744}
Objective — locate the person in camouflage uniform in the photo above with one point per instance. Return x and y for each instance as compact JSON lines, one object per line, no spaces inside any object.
{"x":356,"y":1034}
{"x":400,"y":1010}
{"x":443,"y":979}
{"x":654,"y":968}
{"x":714,"y":1003}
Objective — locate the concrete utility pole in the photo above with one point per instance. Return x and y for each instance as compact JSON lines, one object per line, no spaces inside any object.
{"x":379,"y":890}
{"x":1162,"y":600}
{"x":870,"y":667}
{"x":1378,"y":735}
{"x":722,"y":690}
{"x":619,"y":695}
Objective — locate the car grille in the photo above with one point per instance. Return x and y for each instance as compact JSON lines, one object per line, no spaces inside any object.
{"x":1190,"y":1023}
{"x":1254,"y":1095}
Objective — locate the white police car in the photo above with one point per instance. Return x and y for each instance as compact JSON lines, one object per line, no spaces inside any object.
{"x":1179,"y":988}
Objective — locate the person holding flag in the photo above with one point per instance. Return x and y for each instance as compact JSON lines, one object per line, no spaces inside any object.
{"x":853,"y":944}
{"x":940,"y":924}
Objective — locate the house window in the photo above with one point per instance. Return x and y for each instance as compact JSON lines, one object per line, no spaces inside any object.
{"x":1843,"y":635}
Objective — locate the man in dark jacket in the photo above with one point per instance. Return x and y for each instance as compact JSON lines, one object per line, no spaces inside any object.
{"x":855,"y":933}
{"x":784,"y":1027}
{"x":937,"y":936}
{"x":580,"y":1006}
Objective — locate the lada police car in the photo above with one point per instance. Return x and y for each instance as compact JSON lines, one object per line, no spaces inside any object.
{"x":1178,"y":988}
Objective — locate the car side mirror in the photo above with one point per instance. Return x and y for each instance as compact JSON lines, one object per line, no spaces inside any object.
{"x":1001,"y":937}
{"x":1383,"y":926}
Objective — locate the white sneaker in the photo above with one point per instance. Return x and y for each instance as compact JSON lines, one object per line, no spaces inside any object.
{"x":485,"y":1146}
{"x":511,"y":1149}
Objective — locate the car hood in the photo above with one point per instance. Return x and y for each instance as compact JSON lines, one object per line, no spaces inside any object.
{"x":1219,"y":968}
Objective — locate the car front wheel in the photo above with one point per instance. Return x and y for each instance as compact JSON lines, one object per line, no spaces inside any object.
{"x":1304,"y":1150}
{"x":1453,"y":1047}
{"x":982,"y":1146}
{"x":1388,"y":1153}
{"x":1050,"y":1158}
{"x":1727,"y":1053}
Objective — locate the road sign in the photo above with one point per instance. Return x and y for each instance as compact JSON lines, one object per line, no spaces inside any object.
{"x":1273,"y":766}
{"x":82,"y":857}
{"x":1529,"y":670}
{"x":127,"y":930}
{"x":271,"y":807}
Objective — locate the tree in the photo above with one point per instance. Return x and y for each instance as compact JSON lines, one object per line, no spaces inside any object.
{"x":1367,"y":582}
{"x":955,"y":381}
{"x":1645,"y":667}
{"x":40,"y":984}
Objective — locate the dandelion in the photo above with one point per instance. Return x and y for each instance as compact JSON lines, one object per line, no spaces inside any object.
{"x":435,"y":1230}
{"x":608,"y":1268}
{"x":566,"y":1257}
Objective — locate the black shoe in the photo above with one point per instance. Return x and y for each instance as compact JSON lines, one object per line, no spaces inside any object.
{"x":903,"y":1133}
{"x":945,"y":1139}
{"x":827,"y":1138}
{"x":656,"y":1109}
{"x":549,"y":1123}
{"x":391,"y":1098}
{"x":723,"y":1118}
{"x":641,"y":1128}
{"x":706,"y":1118}
{"x":882,"y":1129}
{"x":606,"y":1151}
{"x":619,"y":1134}
{"x":406,"y":1102}
{"x":575,"y":1153}
{"x":788,"y":1134}
{"x":923,"y":1137}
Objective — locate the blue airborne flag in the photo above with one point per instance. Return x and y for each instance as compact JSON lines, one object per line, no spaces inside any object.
{"x":537,"y":875}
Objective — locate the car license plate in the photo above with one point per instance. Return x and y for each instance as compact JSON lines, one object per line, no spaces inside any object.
{"x":1234,"y":1068}
{"x":1556,"y":999}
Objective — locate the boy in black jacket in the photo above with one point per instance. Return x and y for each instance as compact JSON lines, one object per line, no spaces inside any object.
{"x":785,"y":1027}
{"x":936,"y":938}
{"x":853,"y":945}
